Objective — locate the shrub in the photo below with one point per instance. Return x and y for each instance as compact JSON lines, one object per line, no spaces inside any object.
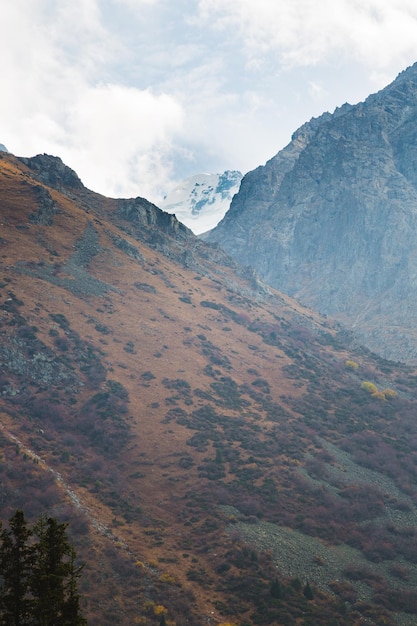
{"x":369,"y":387}
{"x":351,"y":365}
{"x":379,"y":395}
{"x":60,"y":319}
{"x":372,"y":389}
{"x":147,"y":376}
{"x":389,"y":394}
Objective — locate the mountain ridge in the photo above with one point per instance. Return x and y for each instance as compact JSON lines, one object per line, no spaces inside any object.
{"x":330,"y":219}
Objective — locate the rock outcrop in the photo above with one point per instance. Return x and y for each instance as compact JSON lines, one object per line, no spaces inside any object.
{"x":50,"y":170}
{"x":46,"y":208}
{"x":332,"y":218}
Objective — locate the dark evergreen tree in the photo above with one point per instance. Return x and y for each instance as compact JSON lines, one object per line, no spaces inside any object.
{"x":308,"y":592}
{"x":71,"y":610}
{"x":38,"y":575}
{"x":275,"y":589}
{"x":16,"y":562}
{"x":56,"y":602}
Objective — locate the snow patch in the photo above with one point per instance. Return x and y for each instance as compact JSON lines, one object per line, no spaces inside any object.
{"x":202,"y":200}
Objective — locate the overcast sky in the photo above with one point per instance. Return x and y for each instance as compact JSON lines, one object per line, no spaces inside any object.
{"x":135,"y":94}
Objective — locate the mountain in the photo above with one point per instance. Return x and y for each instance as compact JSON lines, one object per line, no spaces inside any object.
{"x":3,"y":148}
{"x":220,"y":453}
{"x":201,"y":201}
{"x":332,"y":219}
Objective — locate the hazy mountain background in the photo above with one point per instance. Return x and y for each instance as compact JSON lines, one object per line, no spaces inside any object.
{"x":332,"y":218}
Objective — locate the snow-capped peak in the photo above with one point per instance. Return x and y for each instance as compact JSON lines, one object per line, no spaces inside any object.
{"x":201,"y":201}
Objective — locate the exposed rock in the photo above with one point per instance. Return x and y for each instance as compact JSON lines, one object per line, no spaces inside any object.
{"x":332,"y":218}
{"x":75,"y":275}
{"x":126,"y":247}
{"x":47,"y":208}
{"x":51,"y":171}
{"x":143,"y":213}
{"x":86,"y":249}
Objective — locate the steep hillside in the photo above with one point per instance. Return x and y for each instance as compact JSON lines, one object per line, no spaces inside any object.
{"x":222,"y":454}
{"x":332,"y":218}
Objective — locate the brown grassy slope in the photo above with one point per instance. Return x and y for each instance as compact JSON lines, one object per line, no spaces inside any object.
{"x":162,"y":382}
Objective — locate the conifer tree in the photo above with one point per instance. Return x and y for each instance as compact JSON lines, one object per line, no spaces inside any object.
{"x":38,"y":575}
{"x":308,"y":592}
{"x":71,"y":612}
{"x":275,"y":589}
{"x":16,"y":562}
{"x":54,"y":576}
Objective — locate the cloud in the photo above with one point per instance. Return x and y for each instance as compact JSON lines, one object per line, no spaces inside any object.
{"x":137,"y":4}
{"x":378,"y":33}
{"x":132,"y":93}
{"x":119,"y":138}
{"x":122,"y":138}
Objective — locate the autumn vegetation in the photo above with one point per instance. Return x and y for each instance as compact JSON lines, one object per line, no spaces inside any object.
{"x":177,"y":420}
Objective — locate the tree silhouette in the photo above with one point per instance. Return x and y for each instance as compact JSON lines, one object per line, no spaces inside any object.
{"x":16,"y":562}
{"x":308,"y":592}
{"x":38,"y":575}
{"x":275,"y":589}
{"x":71,"y":610}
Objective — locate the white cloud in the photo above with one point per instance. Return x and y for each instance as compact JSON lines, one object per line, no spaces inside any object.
{"x":133,"y":92}
{"x":378,"y":33}
{"x":117,"y":137}
{"x":137,"y":4}
{"x":122,"y":138}
{"x":316,"y":90}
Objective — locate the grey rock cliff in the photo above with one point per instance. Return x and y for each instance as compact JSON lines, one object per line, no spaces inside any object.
{"x":51,"y":171}
{"x":332,"y":218}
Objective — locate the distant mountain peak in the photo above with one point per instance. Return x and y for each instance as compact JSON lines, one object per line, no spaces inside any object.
{"x":200,"y":201}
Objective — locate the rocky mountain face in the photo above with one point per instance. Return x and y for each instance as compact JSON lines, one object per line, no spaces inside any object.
{"x":201,"y":201}
{"x":332,"y":218}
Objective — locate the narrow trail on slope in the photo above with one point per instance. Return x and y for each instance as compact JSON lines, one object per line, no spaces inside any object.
{"x":75,"y":499}
{"x":119,"y":543}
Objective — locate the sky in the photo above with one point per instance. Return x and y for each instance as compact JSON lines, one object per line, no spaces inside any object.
{"x":138,"y":94}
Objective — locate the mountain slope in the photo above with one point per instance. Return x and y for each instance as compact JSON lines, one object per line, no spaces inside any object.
{"x":201,"y":200}
{"x":331,"y":219}
{"x":213,"y":445}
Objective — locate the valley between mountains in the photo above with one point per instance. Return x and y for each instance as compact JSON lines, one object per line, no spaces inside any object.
{"x":222,"y":455}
